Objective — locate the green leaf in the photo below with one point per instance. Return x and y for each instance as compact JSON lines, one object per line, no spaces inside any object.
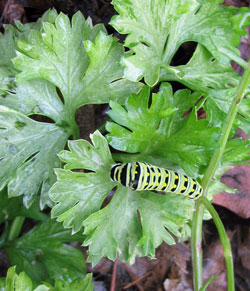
{"x":76,"y":285}
{"x":13,"y":207}
{"x":7,"y":52}
{"x":237,"y":151}
{"x":77,"y":200}
{"x":106,"y":232}
{"x":79,"y":196}
{"x":243,"y":117}
{"x":65,"y":54}
{"x":42,"y":253}
{"x":58,"y":59}
{"x":184,"y":141}
{"x":34,"y":144}
{"x":8,"y":48}
{"x":156,"y":29}
{"x":162,"y":216}
{"x":22,"y":282}
{"x":7,"y":82}
{"x":23,"y":29}
{"x":10,"y":278}
{"x":38,"y":97}
{"x":19,"y":282}
{"x":28,"y":154}
{"x":202,"y":73}
{"x":216,"y":82}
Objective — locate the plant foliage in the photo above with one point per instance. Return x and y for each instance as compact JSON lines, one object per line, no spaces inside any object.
{"x":22,"y":282}
{"x":49,"y":69}
{"x":156,"y":30}
{"x":60,"y":64}
{"x":80,"y":196}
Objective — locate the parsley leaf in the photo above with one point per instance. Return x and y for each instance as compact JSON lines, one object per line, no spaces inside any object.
{"x":22,"y":282}
{"x":63,"y":65}
{"x":7,"y":52}
{"x":80,"y":195}
{"x":24,"y":145}
{"x":42,"y":252}
{"x":184,"y":141}
{"x":65,"y":55}
{"x":13,"y":207}
{"x":157,"y":29}
{"x":8,"y":48}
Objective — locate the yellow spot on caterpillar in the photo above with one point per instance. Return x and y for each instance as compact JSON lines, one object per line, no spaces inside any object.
{"x":184,"y":188}
{"x":174,"y":186}
{"x":136,"y":172}
{"x":165,"y":185}
{"x":150,"y":167}
{"x":159,"y":174}
{"x":176,"y":177}
{"x":195,"y":182}
{"x":152,"y":184}
{"x":185,"y":179}
{"x":147,"y":174}
{"x":157,"y":184}
{"x":153,"y":174}
{"x":166,"y":175}
{"x":136,"y":165}
{"x":146,"y":184}
{"x":192,"y":190}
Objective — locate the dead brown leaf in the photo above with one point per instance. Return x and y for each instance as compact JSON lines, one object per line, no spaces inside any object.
{"x":13,"y":10}
{"x":238,"y":178}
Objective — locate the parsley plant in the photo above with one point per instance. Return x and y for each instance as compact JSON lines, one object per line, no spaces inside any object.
{"x":56,"y":65}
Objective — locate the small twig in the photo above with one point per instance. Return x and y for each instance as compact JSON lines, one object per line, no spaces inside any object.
{"x":137,"y":280}
{"x":133,"y":277}
{"x":114,"y":272}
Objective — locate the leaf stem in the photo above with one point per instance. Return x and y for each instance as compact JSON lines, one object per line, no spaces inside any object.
{"x":76,"y":132}
{"x":203,"y":288}
{"x":16,"y":227}
{"x":224,"y":241}
{"x":196,"y":235}
{"x":196,"y":251}
{"x":244,"y":83}
{"x":4,"y":235}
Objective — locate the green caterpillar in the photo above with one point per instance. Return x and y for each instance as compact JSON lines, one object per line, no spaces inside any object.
{"x":142,"y":176}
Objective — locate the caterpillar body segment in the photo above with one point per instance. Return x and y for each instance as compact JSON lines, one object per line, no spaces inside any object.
{"x":140,"y":176}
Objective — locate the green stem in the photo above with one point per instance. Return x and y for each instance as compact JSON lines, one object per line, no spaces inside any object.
{"x":76,"y":132}
{"x":233,"y":57}
{"x":16,"y":227}
{"x":245,"y":80}
{"x":203,"y":288}
{"x":196,"y":235}
{"x":224,"y":241}
{"x":4,"y":235}
{"x":70,"y":118}
{"x":196,"y":251}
